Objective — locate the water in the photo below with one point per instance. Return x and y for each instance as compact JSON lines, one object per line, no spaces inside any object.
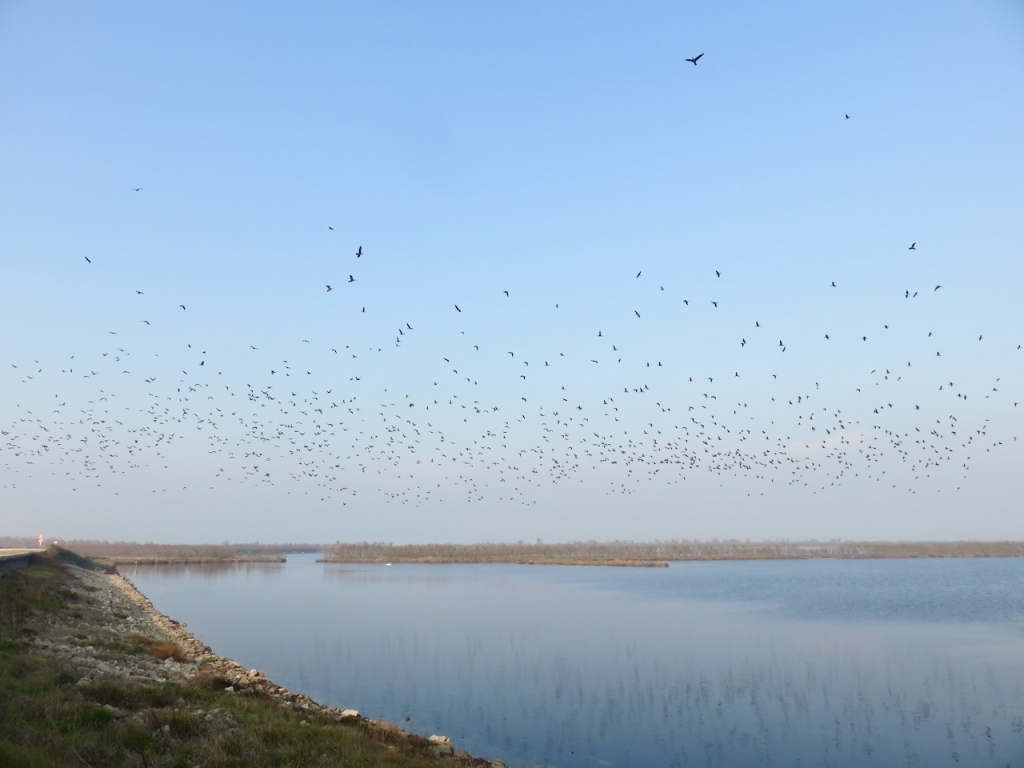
{"x":789,"y":663}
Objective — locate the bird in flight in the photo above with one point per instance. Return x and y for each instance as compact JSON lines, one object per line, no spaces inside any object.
{"x":351,"y":279}
{"x":359,"y":252}
{"x":506,"y":293}
{"x":88,"y":259}
{"x":936,"y":288}
{"x":182,"y":307}
{"x":695,"y":59}
{"x":913,"y":246}
{"x":329,"y":289}
{"x":136,"y":189}
{"x":457,"y":308}
{"x":639,"y":273}
{"x":636,"y":313}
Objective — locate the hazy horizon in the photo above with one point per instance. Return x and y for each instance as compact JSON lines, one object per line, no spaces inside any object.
{"x":465,"y":273}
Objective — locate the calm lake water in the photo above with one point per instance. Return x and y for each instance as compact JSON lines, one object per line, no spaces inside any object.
{"x":787,"y":663}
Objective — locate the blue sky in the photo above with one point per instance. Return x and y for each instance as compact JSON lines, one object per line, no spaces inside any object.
{"x":553,"y":151}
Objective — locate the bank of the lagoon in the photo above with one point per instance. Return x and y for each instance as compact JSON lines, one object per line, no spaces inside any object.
{"x":658,"y":554}
{"x":92,"y":674}
{"x":788,"y":662}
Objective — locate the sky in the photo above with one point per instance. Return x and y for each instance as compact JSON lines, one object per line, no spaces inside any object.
{"x":470,"y":272}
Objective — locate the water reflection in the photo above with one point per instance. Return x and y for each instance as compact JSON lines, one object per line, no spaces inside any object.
{"x":207,"y":570}
{"x":722,"y":664}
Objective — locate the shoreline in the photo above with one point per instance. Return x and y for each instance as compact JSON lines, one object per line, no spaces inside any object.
{"x":630,"y":563}
{"x":200,"y":660}
{"x":518,"y":561}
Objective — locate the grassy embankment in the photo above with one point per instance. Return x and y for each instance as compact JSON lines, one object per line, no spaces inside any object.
{"x":48,"y":718}
{"x":657,"y":553}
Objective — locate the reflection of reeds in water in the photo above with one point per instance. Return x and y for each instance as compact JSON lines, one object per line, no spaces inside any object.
{"x":777,"y":706}
{"x":519,"y":663}
{"x":835,"y":713}
{"x":208,"y":570}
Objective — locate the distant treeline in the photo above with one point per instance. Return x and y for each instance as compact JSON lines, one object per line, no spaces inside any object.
{"x":580,"y":552}
{"x":122,"y":551}
{"x":638,"y":553}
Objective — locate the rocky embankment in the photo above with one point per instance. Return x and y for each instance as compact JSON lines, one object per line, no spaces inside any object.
{"x":112,"y":616}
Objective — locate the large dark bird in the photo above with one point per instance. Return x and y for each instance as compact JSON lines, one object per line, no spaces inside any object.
{"x":695,"y":59}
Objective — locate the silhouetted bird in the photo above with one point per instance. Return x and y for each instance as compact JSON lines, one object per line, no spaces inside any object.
{"x":359,"y":252}
{"x":695,"y":59}
{"x":88,"y":259}
{"x":351,"y":279}
{"x":457,"y":308}
{"x":913,"y":246}
{"x":329,"y":289}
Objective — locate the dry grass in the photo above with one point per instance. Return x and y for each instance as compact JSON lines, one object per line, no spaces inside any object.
{"x":160,"y":651}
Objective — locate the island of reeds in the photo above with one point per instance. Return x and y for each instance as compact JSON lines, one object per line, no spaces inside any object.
{"x":611,"y":553}
{"x":656,"y":554}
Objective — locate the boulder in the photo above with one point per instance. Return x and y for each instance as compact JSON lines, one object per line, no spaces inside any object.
{"x":441,"y":745}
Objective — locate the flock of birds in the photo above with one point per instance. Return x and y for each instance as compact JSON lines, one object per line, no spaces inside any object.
{"x":478,"y":423}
